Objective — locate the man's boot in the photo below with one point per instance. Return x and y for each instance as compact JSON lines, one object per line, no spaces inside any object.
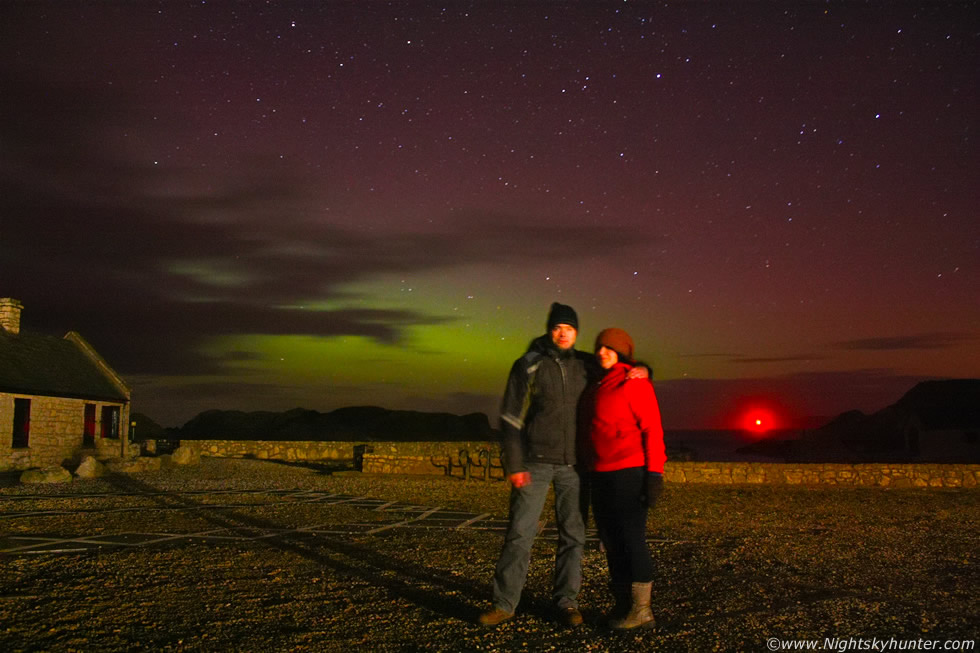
{"x":494,"y":616}
{"x":640,"y":614}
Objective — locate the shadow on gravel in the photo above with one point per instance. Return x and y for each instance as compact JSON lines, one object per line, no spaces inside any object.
{"x":362,"y":563}
{"x":321,"y":468}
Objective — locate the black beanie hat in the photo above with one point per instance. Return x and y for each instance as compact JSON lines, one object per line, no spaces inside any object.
{"x":562,"y":314}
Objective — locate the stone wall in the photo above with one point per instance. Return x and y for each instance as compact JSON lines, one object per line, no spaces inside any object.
{"x":721,"y":473}
{"x":56,"y":429}
{"x":442,"y":458}
{"x":471,"y":466}
{"x":310,"y":450}
{"x":272,"y":450}
{"x":896,"y":475}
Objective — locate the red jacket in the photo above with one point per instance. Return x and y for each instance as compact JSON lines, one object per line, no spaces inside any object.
{"x":623,"y":422}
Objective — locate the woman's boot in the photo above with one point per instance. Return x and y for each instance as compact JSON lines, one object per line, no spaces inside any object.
{"x":640,"y":614}
{"x":621,"y":593}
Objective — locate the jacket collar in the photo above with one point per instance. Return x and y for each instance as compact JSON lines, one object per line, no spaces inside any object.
{"x":615,"y":373}
{"x":544,"y":345}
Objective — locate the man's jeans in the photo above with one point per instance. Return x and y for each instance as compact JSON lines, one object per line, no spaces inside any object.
{"x":526,"y":504}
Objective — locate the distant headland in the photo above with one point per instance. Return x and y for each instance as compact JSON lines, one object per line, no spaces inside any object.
{"x":935,"y":421}
{"x":365,"y":423}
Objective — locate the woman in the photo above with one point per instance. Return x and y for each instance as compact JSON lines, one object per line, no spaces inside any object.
{"x":625,"y":455}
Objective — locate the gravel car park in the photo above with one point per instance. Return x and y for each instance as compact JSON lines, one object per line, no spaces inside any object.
{"x":260,"y":555}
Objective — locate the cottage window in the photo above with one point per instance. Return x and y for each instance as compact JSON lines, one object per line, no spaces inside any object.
{"x":88,"y":435}
{"x":22,"y":423}
{"x":110,"y":421}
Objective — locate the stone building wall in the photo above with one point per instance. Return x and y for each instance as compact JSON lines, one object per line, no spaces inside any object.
{"x":56,"y":430}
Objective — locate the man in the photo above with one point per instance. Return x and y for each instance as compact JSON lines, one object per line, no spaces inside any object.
{"x":538,"y":419}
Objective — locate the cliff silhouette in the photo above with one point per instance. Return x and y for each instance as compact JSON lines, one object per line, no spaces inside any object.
{"x":936,"y":421}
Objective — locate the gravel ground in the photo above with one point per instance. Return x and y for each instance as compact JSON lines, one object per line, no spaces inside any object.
{"x":736,"y":566}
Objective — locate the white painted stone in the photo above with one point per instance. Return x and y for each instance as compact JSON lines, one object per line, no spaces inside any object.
{"x":50,"y":474}
{"x":90,"y":468}
{"x":186,"y":456}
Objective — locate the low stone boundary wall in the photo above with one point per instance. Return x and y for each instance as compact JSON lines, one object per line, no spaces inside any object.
{"x":481,"y":464}
{"x":273,"y":450}
{"x":382,"y":457}
{"x":722,"y":473}
{"x":482,"y":460}
{"x":897,"y":475}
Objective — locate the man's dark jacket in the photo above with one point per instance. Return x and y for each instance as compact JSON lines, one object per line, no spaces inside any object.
{"x":538,"y":416}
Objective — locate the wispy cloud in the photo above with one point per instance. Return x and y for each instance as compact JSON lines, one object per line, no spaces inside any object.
{"x":716,"y":355}
{"x":935,"y":340}
{"x":779,"y":359}
{"x":167,"y":255}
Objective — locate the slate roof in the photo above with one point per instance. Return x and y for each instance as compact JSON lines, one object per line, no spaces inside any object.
{"x":34,"y":364}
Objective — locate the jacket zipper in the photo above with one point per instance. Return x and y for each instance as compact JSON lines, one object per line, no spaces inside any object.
{"x":564,"y":401}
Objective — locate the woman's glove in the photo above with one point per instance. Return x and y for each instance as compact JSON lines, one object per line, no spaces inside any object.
{"x":655,"y":487}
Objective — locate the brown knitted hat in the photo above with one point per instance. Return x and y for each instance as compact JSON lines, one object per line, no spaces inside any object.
{"x":617,"y":340}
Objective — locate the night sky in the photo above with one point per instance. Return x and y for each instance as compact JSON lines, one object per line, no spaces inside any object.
{"x":261,"y":206}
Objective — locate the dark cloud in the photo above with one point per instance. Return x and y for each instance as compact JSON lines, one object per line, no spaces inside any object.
{"x":158,"y":338}
{"x":148,"y":262}
{"x":937,"y":340}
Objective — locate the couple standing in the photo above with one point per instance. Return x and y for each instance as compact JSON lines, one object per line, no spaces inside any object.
{"x":614,"y":439}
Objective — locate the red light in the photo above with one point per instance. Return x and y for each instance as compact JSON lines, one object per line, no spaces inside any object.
{"x":760,"y":415}
{"x":758,"y":420}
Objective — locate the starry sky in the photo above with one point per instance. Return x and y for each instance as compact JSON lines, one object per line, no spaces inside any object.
{"x":261,"y":206}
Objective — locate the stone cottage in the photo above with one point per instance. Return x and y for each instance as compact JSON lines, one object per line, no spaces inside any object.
{"x":59,"y":399}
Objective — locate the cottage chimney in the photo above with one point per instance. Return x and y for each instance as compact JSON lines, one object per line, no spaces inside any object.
{"x":10,"y":314}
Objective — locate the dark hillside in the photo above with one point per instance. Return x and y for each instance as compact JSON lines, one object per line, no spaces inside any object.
{"x":351,"y":423}
{"x":935,"y":421}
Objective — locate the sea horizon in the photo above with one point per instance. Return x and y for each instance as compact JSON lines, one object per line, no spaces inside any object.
{"x":723,"y":444}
